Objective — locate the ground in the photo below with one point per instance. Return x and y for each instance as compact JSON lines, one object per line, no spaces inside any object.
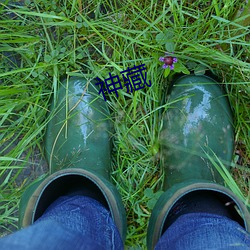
{"x":43,"y":42}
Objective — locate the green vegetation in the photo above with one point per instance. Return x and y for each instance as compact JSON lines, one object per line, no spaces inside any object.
{"x":45,"y":41}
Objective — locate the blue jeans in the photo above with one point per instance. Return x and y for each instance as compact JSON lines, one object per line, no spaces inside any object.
{"x":204,"y":231}
{"x":76,"y":222}
{"x":80,"y":222}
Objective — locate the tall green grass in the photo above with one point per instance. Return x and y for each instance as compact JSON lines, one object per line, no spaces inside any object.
{"x":42,"y":42}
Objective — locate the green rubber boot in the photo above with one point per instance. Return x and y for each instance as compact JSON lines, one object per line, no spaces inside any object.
{"x":197,"y":125}
{"x":78,"y":149}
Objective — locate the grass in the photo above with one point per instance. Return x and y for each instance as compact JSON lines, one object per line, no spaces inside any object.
{"x":46,"y":41}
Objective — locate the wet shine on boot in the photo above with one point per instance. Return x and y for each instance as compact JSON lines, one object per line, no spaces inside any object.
{"x":78,"y":148}
{"x":196,"y":126}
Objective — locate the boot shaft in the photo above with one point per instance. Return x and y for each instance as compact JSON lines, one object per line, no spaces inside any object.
{"x":198,"y":121}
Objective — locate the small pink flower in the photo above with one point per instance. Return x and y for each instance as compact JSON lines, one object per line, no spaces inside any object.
{"x":168,"y":61}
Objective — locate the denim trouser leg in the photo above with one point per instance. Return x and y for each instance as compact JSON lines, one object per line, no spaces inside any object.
{"x":76,"y":222}
{"x":204,"y":231}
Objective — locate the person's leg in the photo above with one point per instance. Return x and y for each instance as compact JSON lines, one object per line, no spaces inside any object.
{"x":204,"y":231}
{"x":78,"y":150}
{"x":71,"y":222}
{"x":197,"y":137}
